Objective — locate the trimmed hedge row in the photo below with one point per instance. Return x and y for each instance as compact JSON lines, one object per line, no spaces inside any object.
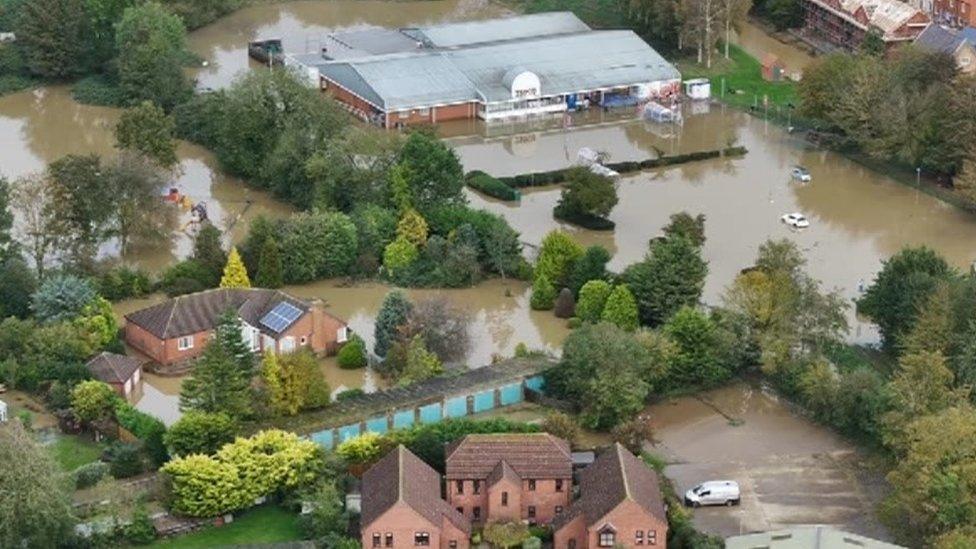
{"x":591,"y":222}
{"x":558,"y":176}
{"x":480,"y":181}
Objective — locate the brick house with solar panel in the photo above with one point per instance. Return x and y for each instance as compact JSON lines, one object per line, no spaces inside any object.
{"x":178,"y":329}
{"x":499,"y":477}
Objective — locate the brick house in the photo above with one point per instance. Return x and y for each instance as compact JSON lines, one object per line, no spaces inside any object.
{"x":620,"y":505}
{"x":402,"y":507}
{"x":502,"y":477}
{"x":178,"y":329}
{"x":123,"y":373}
{"x":846,"y":23}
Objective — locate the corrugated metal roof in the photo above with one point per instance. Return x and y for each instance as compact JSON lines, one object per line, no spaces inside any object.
{"x":510,"y":28}
{"x":938,"y":38}
{"x":565,"y":64}
{"x":366,"y":42}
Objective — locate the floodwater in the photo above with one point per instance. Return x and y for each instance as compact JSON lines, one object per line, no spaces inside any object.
{"x":40,"y":126}
{"x":499,"y":312}
{"x":302,"y":27}
{"x":757,"y":43}
{"x":858,"y":217}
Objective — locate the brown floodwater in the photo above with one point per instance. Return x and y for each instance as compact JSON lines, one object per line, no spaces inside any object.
{"x":302,"y":27}
{"x":40,"y":126}
{"x":858,"y":217}
{"x":500,"y":319}
{"x":757,"y":43}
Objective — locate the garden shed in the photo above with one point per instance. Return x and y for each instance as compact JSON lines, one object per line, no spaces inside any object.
{"x":773,"y":69}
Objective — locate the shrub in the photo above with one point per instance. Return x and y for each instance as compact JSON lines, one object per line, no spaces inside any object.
{"x":506,"y":534}
{"x":90,"y":474}
{"x":353,"y":354}
{"x":585,"y":220}
{"x":141,"y":530}
{"x":565,"y":304}
{"x":543,"y":294}
{"x":148,"y":429}
{"x":98,"y":90}
{"x":484,"y":183}
{"x":200,"y":433}
{"x":349,"y":394}
{"x":532,"y":542}
{"x":125,"y":460}
{"x":563,"y":426}
{"x":92,"y":400}
{"x":558,"y":254}
{"x":123,"y":283}
{"x":592,"y":300}
{"x":361,"y":450}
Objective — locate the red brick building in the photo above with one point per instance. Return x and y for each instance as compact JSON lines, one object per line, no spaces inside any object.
{"x":178,"y":329}
{"x":122,"y":373}
{"x":402,"y":507}
{"x":620,"y":505}
{"x":502,"y":477}
{"x":846,"y":23}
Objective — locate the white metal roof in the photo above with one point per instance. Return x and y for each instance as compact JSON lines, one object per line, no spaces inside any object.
{"x":451,"y":35}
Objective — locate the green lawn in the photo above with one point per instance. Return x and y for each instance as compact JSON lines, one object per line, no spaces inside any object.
{"x":742,"y":73}
{"x":71,"y":451}
{"x":261,"y":525}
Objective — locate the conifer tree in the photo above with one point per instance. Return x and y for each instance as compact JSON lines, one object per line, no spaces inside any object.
{"x":412,"y":227}
{"x":271,"y":375}
{"x":269,"y":266}
{"x":621,"y":308}
{"x":235,"y":274}
{"x":393,"y":314}
{"x":543,"y":294}
{"x":592,"y":300}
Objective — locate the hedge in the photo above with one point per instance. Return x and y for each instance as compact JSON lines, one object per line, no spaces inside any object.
{"x":146,"y":428}
{"x":491,"y":186}
{"x":558,"y":176}
{"x":587,"y":221}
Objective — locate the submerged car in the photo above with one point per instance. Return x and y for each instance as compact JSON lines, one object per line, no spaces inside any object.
{"x":713,"y":492}
{"x":801,"y":174}
{"x":795,"y":220}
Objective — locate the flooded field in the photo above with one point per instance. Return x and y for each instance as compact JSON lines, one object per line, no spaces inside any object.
{"x":302,"y":26}
{"x":757,"y":43}
{"x":500,"y":319}
{"x":858,"y":217}
{"x":40,"y":126}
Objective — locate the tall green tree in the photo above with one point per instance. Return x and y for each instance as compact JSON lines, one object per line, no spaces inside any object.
{"x":391,"y":317}
{"x":592,"y":299}
{"x":543,"y":296}
{"x":17,"y":285}
{"x":269,"y":272}
{"x":221,"y":378}
{"x":621,"y":308}
{"x":82,"y":206}
{"x":136,"y":184}
{"x":208,"y":251}
{"x":147,"y":130}
{"x":688,"y":226}
{"x":35,"y":510}
{"x":151,"y":43}
{"x":591,"y":266}
{"x":54,"y":36}
{"x":586,"y":193}
{"x":8,"y":245}
{"x":699,"y":357}
{"x":558,"y":254}
{"x":433,"y":171}
{"x":671,"y":276}
{"x":900,"y":289}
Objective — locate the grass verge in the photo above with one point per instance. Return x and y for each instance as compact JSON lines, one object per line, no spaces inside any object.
{"x":744,"y":84}
{"x":72,"y":451}
{"x":268,"y":524}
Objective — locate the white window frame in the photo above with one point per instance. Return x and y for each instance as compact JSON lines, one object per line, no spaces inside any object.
{"x":342,"y":334}
{"x":184,"y":343}
{"x":287,"y":344}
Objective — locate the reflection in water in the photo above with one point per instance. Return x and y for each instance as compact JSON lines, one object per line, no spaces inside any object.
{"x":40,"y":126}
{"x":302,"y":27}
{"x":858,"y":217}
{"x":500,"y":319}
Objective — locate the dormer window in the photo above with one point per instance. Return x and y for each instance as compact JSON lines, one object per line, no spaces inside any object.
{"x":607,"y":537}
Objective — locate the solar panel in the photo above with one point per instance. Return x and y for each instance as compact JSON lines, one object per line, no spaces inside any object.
{"x":281,"y":317}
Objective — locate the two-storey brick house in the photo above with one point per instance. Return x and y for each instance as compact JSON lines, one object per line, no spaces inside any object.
{"x":500,"y":477}
{"x":402,"y":507}
{"x":620,"y":505}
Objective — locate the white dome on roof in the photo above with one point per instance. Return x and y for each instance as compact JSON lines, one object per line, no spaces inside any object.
{"x":522,"y":83}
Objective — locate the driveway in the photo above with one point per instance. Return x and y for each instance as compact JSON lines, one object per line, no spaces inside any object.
{"x":791,"y":471}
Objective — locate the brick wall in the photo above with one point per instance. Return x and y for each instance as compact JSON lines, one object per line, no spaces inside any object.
{"x":165,"y":352}
{"x":544,"y":498}
{"x":403,"y":523}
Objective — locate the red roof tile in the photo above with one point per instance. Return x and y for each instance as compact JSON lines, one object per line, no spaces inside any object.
{"x":530,"y":455}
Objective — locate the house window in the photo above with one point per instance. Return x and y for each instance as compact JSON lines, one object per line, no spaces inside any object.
{"x":559,"y":485}
{"x":607,"y":537}
{"x":571,"y":544}
{"x":389,"y":539}
{"x":559,"y":509}
{"x":477,"y":487}
{"x":342,"y":335}
{"x":452,"y":544}
{"x":304,"y":340}
{"x":460,"y":510}
{"x":531,"y":511}
{"x":532,"y":485}
{"x":404,"y":114}
{"x":184,"y":343}
{"x":476,"y":512}
{"x":424,"y":111}
{"x":376,"y":539}
{"x":652,"y":537}
{"x":459,"y":486}
{"x":639,"y":537}
{"x":421,"y":539}
{"x":287,"y":344}
{"x":504,"y":499}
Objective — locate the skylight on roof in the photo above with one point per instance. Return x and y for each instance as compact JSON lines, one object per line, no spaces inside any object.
{"x":281,"y":317}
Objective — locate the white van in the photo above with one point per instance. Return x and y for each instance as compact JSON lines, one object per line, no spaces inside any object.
{"x":713,"y":492}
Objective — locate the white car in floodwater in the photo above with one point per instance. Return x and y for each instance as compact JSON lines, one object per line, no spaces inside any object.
{"x":795,"y":220}
{"x":801,"y":174}
{"x":713,"y":492}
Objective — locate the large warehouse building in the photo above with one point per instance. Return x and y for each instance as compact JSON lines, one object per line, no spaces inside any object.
{"x":495,"y":69}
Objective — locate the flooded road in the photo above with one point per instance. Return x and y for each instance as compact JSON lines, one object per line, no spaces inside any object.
{"x":758,"y":44}
{"x":858,"y":217}
{"x":302,"y":27}
{"x":499,"y":312}
{"x":40,"y":126}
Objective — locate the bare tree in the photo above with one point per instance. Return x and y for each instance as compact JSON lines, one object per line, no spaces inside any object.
{"x":32,"y":204}
{"x":137,"y":184}
{"x":443,"y":327}
{"x":733,"y":13}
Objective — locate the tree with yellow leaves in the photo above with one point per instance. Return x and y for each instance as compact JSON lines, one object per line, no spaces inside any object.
{"x":235,"y":273}
{"x":413,"y":228}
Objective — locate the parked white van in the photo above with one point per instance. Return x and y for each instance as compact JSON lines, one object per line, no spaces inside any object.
{"x":713,"y":492}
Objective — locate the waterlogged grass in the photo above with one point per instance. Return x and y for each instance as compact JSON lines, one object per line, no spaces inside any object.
{"x":268,"y":524}
{"x":72,"y":451}
{"x":744,"y":84}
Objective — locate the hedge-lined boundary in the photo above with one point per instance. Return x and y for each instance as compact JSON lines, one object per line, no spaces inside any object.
{"x":558,"y":176}
{"x":591,"y":222}
{"x":491,"y":186}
